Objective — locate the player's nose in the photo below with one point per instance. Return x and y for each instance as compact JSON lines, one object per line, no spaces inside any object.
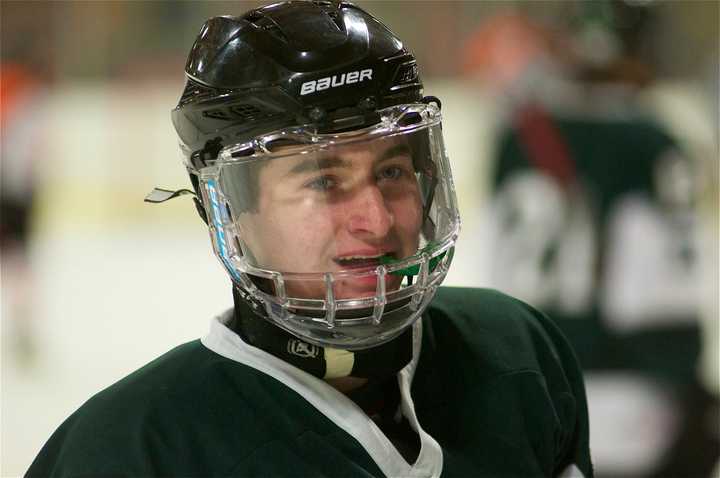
{"x":369,"y":212}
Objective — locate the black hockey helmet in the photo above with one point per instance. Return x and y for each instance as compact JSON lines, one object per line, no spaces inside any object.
{"x":325,"y":63}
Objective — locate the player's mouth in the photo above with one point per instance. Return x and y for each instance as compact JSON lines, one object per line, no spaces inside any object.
{"x":363,"y":262}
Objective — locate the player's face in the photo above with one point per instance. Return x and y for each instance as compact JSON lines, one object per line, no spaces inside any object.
{"x":332,"y":211}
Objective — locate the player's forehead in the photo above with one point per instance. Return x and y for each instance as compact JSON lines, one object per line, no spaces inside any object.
{"x":349,"y":156}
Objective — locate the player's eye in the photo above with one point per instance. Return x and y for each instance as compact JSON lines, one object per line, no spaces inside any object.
{"x":391,"y":173}
{"x":322,"y":183}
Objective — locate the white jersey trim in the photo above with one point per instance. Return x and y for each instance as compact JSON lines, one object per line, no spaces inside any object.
{"x":572,"y":471}
{"x":334,"y":405}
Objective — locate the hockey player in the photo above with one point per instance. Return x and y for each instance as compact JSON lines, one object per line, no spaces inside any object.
{"x":319,"y":167}
{"x":594,"y":218}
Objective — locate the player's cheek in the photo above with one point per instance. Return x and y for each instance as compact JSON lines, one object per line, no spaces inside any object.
{"x":408,"y":220}
{"x":319,"y":233}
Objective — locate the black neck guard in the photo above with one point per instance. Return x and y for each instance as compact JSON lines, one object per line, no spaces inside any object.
{"x":374,"y":363}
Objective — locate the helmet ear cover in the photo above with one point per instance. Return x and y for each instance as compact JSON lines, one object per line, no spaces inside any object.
{"x":210,"y":151}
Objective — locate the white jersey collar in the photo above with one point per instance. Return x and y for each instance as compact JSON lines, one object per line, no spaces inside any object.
{"x":336,"y":406}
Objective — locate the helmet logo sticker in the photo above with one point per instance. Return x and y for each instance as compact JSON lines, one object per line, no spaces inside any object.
{"x":335,"y":81}
{"x":302,"y":349}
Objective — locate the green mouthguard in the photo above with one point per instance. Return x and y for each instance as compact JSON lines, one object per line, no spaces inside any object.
{"x":412,"y":270}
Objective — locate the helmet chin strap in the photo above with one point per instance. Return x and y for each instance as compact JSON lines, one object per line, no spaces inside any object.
{"x":323,"y":362}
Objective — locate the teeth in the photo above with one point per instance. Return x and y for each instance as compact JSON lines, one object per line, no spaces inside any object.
{"x":360,"y":258}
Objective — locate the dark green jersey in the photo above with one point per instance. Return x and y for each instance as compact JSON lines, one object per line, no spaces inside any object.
{"x":492,"y":390}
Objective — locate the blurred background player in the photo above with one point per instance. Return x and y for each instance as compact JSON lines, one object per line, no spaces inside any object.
{"x":594,"y":218}
{"x":22,"y":103}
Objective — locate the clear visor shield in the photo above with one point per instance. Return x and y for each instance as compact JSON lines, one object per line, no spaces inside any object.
{"x":342,"y":238}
